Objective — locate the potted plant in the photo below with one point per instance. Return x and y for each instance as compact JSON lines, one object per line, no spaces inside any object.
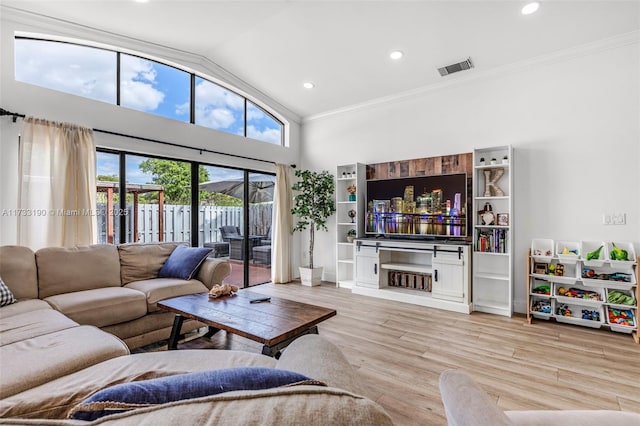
{"x":313,"y":204}
{"x":351,"y":234}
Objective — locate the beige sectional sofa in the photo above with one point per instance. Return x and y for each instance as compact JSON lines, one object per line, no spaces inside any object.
{"x":113,"y":287}
{"x":339,"y":403}
{"x":105,"y":302}
{"x":80,"y":306}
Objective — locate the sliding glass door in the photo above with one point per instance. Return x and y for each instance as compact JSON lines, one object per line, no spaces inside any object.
{"x":260,"y":201}
{"x":148,"y":199}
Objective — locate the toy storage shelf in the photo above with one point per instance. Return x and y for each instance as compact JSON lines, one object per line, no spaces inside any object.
{"x":597,"y":302}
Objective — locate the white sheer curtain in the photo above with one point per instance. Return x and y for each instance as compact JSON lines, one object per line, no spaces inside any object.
{"x":57,"y":195}
{"x":282,"y":226}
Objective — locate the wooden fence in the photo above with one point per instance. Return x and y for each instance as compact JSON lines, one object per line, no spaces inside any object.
{"x":177,"y":222}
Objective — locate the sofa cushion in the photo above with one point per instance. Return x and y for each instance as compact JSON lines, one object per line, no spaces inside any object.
{"x":284,"y":406}
{"x":54,"y":399}
{"x":19,"y":272}
{"x":316,"y":357}
{"x":165,"y":288}
{"x":23,"y":306}
{"x":102,"y":306}
{"x":31,"y":324}
{"x":43,"y":358}
{"x":184,"y":262}
{"x":465,"y":403}
{"x":133,"y":395}
{"x":6,"y":296}
{"x":143,"y":261}
{"x":65,"y":270}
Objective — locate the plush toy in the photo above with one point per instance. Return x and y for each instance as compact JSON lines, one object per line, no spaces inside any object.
{"x":222,"y":290}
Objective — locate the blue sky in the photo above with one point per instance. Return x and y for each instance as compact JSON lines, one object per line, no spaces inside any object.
{"x":144,"y":85}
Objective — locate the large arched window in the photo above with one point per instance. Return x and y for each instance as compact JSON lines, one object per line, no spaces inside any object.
{"x":144,"y":85}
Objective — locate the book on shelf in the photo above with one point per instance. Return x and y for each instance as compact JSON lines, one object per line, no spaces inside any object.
{"x":491,"y":240}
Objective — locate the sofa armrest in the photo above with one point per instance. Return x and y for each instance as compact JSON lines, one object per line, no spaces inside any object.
{"x":466,"y":404}
{"x":213,"y":271}
{"x":317,"y":358}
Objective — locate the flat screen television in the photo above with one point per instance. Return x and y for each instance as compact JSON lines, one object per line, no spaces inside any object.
{"x":418,"y":207}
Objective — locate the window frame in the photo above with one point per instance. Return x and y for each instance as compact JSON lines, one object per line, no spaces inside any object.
{"x":193,"y":75}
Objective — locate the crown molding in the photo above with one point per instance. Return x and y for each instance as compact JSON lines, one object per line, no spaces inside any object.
{"x":191,"y":62}
{"x":621,"y":40}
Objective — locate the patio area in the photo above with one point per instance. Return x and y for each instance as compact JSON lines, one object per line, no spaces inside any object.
{"x":258,"y":274}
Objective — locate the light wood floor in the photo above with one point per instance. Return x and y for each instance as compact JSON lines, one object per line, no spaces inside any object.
{"x":400,"y":350}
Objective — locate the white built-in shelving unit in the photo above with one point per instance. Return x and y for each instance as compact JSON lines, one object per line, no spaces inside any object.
{"x":493,"y":230}
{"x":346,"y":176}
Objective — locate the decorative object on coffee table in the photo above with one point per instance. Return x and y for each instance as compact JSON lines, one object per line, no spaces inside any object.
{"x":222,"y":290}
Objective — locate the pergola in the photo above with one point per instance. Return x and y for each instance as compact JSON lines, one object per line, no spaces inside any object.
{"x":136,"y":189}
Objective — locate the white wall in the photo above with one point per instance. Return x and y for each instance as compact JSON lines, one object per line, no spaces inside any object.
{"x":574,"y":123}
{"x":52,"y":105}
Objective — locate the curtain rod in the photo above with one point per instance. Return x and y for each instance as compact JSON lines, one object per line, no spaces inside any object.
{"x":16,"y":115}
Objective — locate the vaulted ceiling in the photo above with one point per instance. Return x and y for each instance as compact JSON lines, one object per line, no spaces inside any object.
{"x":343,"y":46}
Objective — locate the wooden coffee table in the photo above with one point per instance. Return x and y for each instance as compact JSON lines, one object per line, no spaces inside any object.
{"x":274,"y":323}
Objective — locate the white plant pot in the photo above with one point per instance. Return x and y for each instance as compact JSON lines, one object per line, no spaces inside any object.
{"x":310,"y":277}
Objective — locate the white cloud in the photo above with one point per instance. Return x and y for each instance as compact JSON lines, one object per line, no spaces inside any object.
{"x":266,"y":135}
{"x":137,"y":78}
{"x":217,"y":118}
{"x":183,"y":109}
{"x":78,"y":70}
{"x":209,"y":94}
{"x":254,"y":113}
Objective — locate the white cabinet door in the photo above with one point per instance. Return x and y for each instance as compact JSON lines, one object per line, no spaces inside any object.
{"x":448,"y":277}
{"x":367,"y":267}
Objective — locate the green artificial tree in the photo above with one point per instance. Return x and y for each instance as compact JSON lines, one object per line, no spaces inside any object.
{"x":313,"y":203}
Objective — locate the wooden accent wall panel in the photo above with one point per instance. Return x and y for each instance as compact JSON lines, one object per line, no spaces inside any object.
{"x":432,"y":166}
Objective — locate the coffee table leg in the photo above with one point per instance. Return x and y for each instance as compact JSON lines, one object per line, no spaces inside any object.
{"x":274,"y":351}
{"x":211,"y":331}
{"x":175,"y":332}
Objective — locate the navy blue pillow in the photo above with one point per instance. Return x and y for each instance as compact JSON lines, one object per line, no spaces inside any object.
{"x":145,"y":393}
{"x":184,"y":262}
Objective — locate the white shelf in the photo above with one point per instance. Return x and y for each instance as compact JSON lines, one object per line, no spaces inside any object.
{"x":344,"y":250}
{"x":502,"y":197}
{"x":409,"y":267}
{"x":492,"y":166}
{"x":490,"y":276}
{"x":493,"y":287}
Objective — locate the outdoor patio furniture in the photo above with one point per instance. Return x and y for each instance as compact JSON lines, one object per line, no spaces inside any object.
{"x":220,"y":249}
{"x":262,"y":255}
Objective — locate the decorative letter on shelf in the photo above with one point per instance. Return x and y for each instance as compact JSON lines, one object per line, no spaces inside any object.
{"x":491,"y":178}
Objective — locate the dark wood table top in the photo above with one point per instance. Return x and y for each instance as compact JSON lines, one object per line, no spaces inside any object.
{"x":269,"y":322}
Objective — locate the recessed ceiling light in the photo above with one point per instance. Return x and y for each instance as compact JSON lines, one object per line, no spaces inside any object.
{"x":308,"y":85}
{"x":529,"y":8}
{"x":396,"y":54}
{"x":141,"y":1}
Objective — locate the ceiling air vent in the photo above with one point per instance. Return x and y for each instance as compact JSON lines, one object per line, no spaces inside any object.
{"x":460,"y":66}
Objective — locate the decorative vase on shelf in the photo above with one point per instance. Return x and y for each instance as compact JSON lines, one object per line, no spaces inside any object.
{"x":352,"y":197}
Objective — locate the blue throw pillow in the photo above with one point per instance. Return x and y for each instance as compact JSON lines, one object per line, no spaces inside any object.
{"x":184,"y":262}
{"x":145,"y":393}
